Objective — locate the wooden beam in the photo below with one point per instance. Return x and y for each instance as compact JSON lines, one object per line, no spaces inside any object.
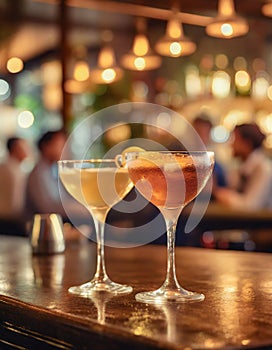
{"x":134,"y":10}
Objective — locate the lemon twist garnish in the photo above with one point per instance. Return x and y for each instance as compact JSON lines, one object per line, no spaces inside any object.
{"x":120,"y":158}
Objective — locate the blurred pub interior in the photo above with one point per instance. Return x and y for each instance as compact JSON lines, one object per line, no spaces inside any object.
{"x":52,"y":53}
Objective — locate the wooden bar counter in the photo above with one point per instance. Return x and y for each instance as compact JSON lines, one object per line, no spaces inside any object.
{"x":37,"y":312}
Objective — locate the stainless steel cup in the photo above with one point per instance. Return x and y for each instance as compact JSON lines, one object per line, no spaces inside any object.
{"x":46,"y":235}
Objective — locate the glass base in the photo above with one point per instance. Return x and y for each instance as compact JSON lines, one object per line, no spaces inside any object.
{"x":94,"y":286}
{"x":162,"y":296}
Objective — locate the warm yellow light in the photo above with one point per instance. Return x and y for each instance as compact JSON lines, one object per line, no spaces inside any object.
{"x":139,"y":63}
{"x":269,"y":92}
{"x":221,"y":61}
{"x":76,"y":87}
{"x":141,"y":56}
{"x":236,"y":116}
{"x":260,"y":87}
{"x":106,"y":57}
{"x":52,"y":97}
{"x":141,"y":45}
{"x":226,"y":29}
{"x":51,"y":73}
{"x":15,"y":65}
{"x":174,"y":43}
{"x":175,"y":48}
{"x":230,"y":121}
{"x":174,"y":28}
{"x":107,"y":71}
{"x":81,"y":71}
{"x":265,"y":123}
{"x":118,"y":133}
{"x":267,"y":9}
{"x":242,"y":79}
{"x":230,"y":29}
{"x":242,"y":82}
{"x":108,"y":75}
{"x":268,"y":123}
{"x":147,"y":62}
{"x":221,"y":84}
{"x":227,"y":24}
{"x":268,"y":141}
{"x":192,"y":82}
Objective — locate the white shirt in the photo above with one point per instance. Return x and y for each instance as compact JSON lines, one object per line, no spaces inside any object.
{"x":257,"y":188}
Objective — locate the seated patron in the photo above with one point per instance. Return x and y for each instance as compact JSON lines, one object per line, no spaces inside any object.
{"x":203,"y":126}
{"x":45,"y":192}
{"x":13,"y":178}
{"x":252,"y":188}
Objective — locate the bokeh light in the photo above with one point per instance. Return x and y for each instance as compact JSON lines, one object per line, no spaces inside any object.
{"x":139,"y":63}
{"x":4,"y":90}
{"x":15,"y":65}
{"x":108,"y":75}
{"x":242,"y":81}
{"x":81,"y":71}
{"x":221,"y":61}
{"x":269,"y":92}
{"x":240,"y":63}
{"x":25,"y":119}
{"x":220,"y":134}
{"x":175,"y":48}
{"x":221,"y":84}
{"x":260,"y":87}
{"x":226,"y":29}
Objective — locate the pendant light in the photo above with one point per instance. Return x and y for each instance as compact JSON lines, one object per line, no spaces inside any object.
{"x":267,"y":9}
{"x":78,"y":81}
{"x":174,"y":43}
{"x":81,"y":67}
{"x":107,"y":70}
{"x":227,"y":24}
{"x":81,"y":71}
{"x":141,"y":57}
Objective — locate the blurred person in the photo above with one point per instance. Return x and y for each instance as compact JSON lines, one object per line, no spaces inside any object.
{"x":44,"y":191}
{"x":252,"y":188}
{"x":203,"y":126}
{"x":13,"y":179}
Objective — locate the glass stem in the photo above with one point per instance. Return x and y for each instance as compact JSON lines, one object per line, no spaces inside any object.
{"x":171,"y":279}
{"x":100,"y":274}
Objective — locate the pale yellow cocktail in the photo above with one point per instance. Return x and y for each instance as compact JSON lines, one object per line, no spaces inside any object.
{"x":98,"y":184}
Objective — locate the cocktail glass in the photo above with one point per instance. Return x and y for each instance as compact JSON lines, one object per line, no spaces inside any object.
{"x":169,"y":180}
{"x":98,"y":184}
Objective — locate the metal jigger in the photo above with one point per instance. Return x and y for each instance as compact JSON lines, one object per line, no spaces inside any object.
{"x":46,"y":235}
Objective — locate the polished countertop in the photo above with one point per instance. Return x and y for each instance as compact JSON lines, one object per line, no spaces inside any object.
{"x":37,"y":312}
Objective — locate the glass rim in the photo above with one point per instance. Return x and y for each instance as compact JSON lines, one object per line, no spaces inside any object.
{"x":92,"y":160}
{"x":173,"y":152}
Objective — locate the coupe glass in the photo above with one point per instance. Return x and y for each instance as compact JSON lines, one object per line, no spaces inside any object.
{"x":98,"y":184}
{"x":170,"y":180}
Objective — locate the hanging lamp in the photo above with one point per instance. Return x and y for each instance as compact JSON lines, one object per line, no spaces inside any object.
{"x":267,"y":9}
{"x":107,"y":71}
{"x":141,"y":57}
{"x":227,"y":24}
{"x":174,"y":43}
